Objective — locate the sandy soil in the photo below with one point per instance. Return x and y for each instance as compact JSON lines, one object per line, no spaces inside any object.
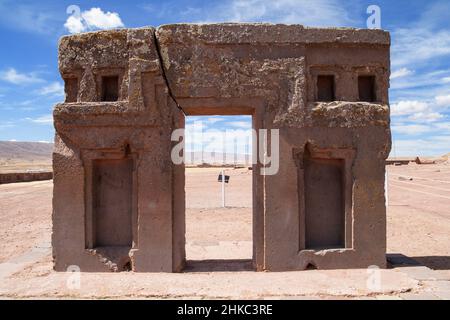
{"x":419,"y":213}
{"x":25,"y":217}
{"x":418,"y":227}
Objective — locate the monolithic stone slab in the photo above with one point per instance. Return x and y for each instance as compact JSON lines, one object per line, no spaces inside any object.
{"x":270,"y":72}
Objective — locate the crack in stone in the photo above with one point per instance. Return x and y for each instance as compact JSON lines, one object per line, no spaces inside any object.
{"x":164,"y":75}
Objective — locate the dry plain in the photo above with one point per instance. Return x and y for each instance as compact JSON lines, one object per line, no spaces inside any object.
{"x":219,"y":246}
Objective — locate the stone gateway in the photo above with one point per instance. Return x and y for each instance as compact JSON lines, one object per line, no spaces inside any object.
{"x":119,"y":200}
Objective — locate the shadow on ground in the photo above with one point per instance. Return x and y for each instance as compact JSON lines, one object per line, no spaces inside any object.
{"x":218,"y":265}
{"x":433,"y":262}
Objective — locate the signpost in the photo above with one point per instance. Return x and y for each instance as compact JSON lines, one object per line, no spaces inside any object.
{"x":224,"y":179}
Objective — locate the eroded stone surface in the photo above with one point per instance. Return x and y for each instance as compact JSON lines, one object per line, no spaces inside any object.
{"x":267,"y":71}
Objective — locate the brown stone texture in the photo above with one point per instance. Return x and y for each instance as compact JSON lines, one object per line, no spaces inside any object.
{"x":14,"y":177}
{"x":119,"y":201}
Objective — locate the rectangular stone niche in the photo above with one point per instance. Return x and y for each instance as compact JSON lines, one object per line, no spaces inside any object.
{"x":112,"y":202}
{"x":366,"y":88}
{"x":325,"y":191}
{"x":110,"y":88}
{"x":325,"y":88}
{"x":324,"y":203}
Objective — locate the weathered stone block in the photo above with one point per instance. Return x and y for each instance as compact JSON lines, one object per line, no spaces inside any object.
{"x":326,"y":90}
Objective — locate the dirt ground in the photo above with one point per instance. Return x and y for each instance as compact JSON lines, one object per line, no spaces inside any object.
{"x":418,"y":247}
{"x":9,"y":166}
{"x":419,"y":213}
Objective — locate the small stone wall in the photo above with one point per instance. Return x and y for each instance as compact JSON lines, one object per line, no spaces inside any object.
{"x":24,"y":177}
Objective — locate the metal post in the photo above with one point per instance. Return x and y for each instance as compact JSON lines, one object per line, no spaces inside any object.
{"x":235,"y":152}
{"x":223,"y":188}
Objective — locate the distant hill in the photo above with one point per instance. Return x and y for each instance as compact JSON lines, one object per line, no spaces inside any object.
{"x":37,"y":151}
{"x":217,"y":158}
{"x":28,"y":151}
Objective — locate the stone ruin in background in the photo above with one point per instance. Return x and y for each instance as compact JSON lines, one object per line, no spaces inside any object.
{"x":119,"y":201}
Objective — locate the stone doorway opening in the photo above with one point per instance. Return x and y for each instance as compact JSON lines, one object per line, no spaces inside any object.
{"x":219,"y":193}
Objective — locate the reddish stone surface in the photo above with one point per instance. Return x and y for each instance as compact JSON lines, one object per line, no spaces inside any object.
{"x":338,"y":148}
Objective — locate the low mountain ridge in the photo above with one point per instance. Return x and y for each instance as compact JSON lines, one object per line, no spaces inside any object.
{"x":26,"y":150}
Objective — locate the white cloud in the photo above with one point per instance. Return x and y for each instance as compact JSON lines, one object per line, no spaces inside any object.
{"x":421,"y":80}
{"x":421,"y":111}
{"x":53,"y":89}
{"x":422,"y":45}
{"x":432,"y":146}
{"x":413,"y":45}
{"x":47,"y":119}
{"x":212,"y":120}
{"x":75,"y":25}
{"x":6,"y":125}
{"x":436,"y":14}
{"x":426,"y":117}
{"x":13,"y":76}
{"x":199,"y":137}
{"x":93,"y":19}
{"x":26,"y":102}
{"x":306,"y":12}
{"x":97,"y":19}
{"x":192,"y":119}
{"x":443,"y":101}
{"x":240,"y":124}
{"x":408,"y":108}
{"x":418,"y":127}
{"x":30,"y":18}
{"x":400,"y":73}
{"x":411,"y":129}
{"x":419,"y":42}
{"x":442,"y":126}
{"x":426,"y":38}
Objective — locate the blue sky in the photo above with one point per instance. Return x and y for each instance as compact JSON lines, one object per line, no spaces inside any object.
{"x":420,"y":88}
